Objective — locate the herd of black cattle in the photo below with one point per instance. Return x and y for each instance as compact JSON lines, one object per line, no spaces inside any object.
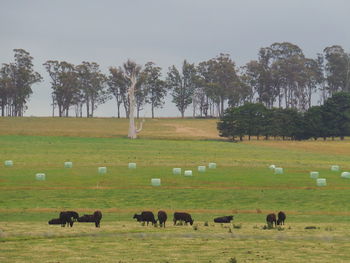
{"x":69,"y":217}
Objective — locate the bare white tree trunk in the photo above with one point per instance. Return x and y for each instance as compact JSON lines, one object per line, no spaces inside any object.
{"x":133,"y":130}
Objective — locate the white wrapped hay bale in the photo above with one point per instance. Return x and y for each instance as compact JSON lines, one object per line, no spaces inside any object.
{"x":335,"y":168}
{"x":278,"y":170}
{"x":188,"y":173}
{"x":201,"y":169}
{"x":272,"y":167}
{"x":321,"y":182}
{"x":8,"y":163}
{"x":102,"y":170}
{"x":212,"y":165}
{"x":345,"y":175}
{"x":68,"y":164}
{"x":40,"y":177}
{"x":155,"y":181}
{"x":176,"y":171}
{"x":132,"y":165}
{"x":314,"y":175}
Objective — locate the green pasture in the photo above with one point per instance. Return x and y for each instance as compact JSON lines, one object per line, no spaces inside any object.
{"x":242,"y":185}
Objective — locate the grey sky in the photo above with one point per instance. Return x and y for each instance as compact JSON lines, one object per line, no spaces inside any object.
{"x":165,"y":32}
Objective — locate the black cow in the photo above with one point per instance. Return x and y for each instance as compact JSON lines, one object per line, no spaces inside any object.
{"x":94,"y":218}
{"x":146,"y":216}
{"x":55,"y":221}
{"x":270,"y":219}
{"x":162,"y":217}
{"x":179,"y":216}
{"x":72,"y":214}
{"x":66,"y":219}
{"x":98,"y":217}
{"x":281,"y":218}
{"x":223,"y":219}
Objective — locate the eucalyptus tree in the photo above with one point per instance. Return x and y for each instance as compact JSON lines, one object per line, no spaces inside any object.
{"x":182,"y":85}
{"x":118,"y":86}
{"x":155,"y":88}
{"x":205,"y":90}
{"x":132,"y":72}
{"x":288,"y":65}
{"x":17,"y":79}
{"x":225,"y":81}
{"x":337,"y":69}
{"x":259,"y":75}
{"x":92,"y":84}
{"x":64,"y":83}
{"x":5,"y":87}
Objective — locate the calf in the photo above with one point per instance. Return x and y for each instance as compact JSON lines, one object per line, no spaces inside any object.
{"x":162,"y":217}
{"x":270,"y":219}
{"x":179,"y":216}
{"x":223,"y":219}
{"x":146,"y":216}
{"x":281,"y":217}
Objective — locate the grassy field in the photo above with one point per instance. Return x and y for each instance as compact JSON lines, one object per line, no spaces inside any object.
{"x":241,"y":185}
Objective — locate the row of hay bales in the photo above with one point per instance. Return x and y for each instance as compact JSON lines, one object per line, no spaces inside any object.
{"x":314,"y":174}
{"x":103,"y":170}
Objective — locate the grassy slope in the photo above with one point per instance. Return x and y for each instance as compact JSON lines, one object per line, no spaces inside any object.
{"x":241,"y":185}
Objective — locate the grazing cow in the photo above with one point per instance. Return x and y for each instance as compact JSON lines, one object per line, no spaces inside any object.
{"x":281,"y":218}
{"x":223,"y":219}
{"x":137,"y":217}
{"x":183,"y":217}
{"x":98,"y":217}
{"x":94,"y":218}
{"x":162,"y":217}
{"x":55,"y":221}
{"x":72,"y":214}
{"x":66,"y":219}
{"x":146,"y":216}
{"x":270,"y":219}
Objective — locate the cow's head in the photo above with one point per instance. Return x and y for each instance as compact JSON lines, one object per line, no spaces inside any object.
{"x":191,"y":222}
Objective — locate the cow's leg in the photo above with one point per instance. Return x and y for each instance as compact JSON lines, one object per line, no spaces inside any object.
{"x":174,"y":222}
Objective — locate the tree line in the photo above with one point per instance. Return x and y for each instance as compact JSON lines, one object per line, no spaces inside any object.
{"x":332,"y":119}
{"x":280,"y":77}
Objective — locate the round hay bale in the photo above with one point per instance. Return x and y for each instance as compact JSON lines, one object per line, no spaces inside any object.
{"x":102,"y":170}
{"x":321,"y":182}
{"x":68,"y":164}
{"x":212,"y":165}
{"x":132,"y":165}
{"x":155,"y":181}
{"x":278,"y":170}
{"x":176,"y":171}
{"x":314,"y":175}
{"x":40,"y":177}
{"x":8,"y":163}
{"x":188,"y":173}
{"x":201,"y":169}
{"x":335,"y":168}
{"x":345,"y":175}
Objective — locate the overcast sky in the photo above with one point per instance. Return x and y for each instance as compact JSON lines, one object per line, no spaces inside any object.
{"x":163,"y":31}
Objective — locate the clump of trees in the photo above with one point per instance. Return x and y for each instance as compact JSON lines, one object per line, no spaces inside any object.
{"x":16,"y":80}
{"x":332,"y":119}
{"x":281,"y":76}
